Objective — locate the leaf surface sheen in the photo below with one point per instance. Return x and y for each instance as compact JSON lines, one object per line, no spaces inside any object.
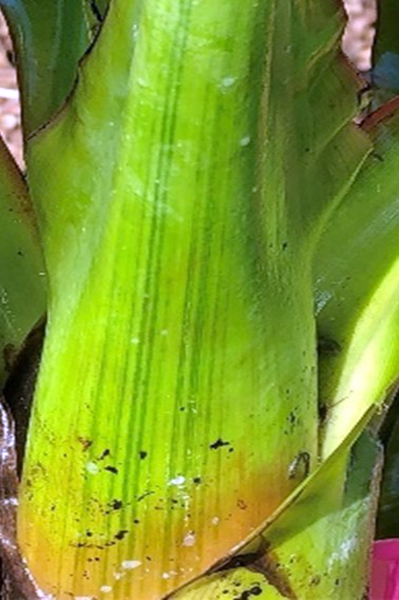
{"x":178,"y":231}
{"x":22,"y":277}
{"x":356,"y":274}
{"x":49,"y":37}
{"x":296,"y":558}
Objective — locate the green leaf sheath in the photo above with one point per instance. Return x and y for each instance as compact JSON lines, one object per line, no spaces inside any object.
{"x":318,"y":545}
{"x":49,"y":38}
{"x":230,"y":584}
{"x":356,"y":288}
{"x":178,"y":229}
{"x":98,"y":8}
{"x":95,"y":12}
{"x":22,"y":284}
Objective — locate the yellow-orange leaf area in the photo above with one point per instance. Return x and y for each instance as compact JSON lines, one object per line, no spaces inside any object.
{"x":176,"y":402}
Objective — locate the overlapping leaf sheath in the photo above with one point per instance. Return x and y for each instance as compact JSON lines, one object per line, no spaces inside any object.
{"x":318,"y":544}
{"x":49,"y":38}
{"x":99,"y":8}
{"x":356,"y":287}
{"x":201,"y":152}
{"x":22,"y":296}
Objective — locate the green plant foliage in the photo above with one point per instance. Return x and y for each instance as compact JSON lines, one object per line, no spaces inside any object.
{"x":95,"y":12}
{"x":317,"y":546}
{"x":99,"y":6}
{"x":386,"y":46}
{"x":207,"y":144}
{"x":321,"y":545}
{"x":49,"y":36}
{"x":22,"y":284}
{"x":232,"y":583}
{"x":357,"y":311}
{"x":384,"y":75}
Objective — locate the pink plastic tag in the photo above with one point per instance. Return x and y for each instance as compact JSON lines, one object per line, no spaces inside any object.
{"x":384,"y":584}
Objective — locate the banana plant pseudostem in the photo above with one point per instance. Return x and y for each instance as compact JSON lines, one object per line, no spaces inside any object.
{"x":197,"y":198}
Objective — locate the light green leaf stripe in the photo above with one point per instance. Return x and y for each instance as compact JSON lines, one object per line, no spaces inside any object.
{"x":178,"y":231}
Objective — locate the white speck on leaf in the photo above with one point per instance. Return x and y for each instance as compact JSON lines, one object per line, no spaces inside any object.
{"x":245,"y":141}
{"x":189,"y":540}
{"x":131,"y":564}
{"x":179,"y":480}
{"x":92,"y":468}
{"x":228,"y":81}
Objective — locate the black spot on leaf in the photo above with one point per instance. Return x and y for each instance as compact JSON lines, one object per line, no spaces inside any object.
{"x":106,"y":453}
{"x":113,"y":470}
{"x":218,"y":444}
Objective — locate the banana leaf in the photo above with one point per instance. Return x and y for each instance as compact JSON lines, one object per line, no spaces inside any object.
{"x":322,"y":544}
{"x":207,"y":144}
{"x":49,"y":38}
{"x":232,"y":583}
{"x":99,"y":8}
{"x":22,"y":277}
{"x":317,"y":546}
{"x":357,"y":308}
{"x":95,"y":12}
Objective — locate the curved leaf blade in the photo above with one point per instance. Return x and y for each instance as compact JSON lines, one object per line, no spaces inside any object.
{"x":356,"y":287}
{"x":22,"y":283}
{"x":295,"y":555}
{"x":49,"y":38}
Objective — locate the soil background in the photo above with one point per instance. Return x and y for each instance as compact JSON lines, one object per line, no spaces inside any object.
{"x":10,"y":119}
